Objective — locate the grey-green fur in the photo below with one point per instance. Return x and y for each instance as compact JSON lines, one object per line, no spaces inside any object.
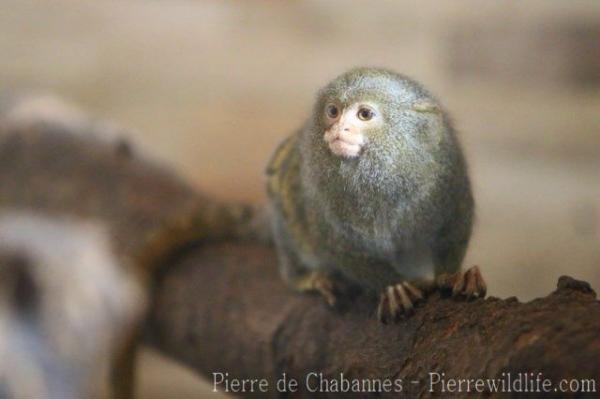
{"x":401,"y":210}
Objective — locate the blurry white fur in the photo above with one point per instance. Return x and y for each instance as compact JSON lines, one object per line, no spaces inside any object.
{"x":66,"y":306}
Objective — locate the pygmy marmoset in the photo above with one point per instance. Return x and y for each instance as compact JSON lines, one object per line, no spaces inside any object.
{"x":374,"y":190}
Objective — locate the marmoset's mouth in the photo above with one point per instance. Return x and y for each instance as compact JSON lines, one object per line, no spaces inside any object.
{"x":344,"y":148}
{"x":345,"y":143}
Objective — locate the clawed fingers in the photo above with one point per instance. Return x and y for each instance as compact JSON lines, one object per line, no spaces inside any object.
{"x":325,"y":287}
{"x":318,"y":282}
{"x":468,"y":284}
{"x":398,"y":300}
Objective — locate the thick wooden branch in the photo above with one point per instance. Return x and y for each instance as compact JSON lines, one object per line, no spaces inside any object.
{"x":223,"y":309}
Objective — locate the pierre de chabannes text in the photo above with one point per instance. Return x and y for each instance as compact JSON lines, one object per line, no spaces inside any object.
{"x":522,"y":382}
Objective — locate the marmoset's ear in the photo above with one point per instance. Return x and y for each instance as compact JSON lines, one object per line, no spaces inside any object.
{"x":425,"y":105}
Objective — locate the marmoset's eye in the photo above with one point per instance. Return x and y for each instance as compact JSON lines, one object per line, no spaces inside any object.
{"x":332,"y":111}
{"x":365,"y":114}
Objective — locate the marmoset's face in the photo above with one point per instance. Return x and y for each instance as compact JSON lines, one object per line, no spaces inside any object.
{"x":346,"y":127}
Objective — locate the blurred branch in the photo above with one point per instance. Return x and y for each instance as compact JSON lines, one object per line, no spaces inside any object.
{"x":57,"y":160}
{"x":224,"y":309}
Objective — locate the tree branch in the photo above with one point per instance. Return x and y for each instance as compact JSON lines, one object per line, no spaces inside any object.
{"x":224,"y":309}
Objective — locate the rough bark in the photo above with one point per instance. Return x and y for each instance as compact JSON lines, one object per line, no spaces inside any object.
{"x":223,"y":308}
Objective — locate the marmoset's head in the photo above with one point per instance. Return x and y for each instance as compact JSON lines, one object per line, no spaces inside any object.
{"x":374,"y":108}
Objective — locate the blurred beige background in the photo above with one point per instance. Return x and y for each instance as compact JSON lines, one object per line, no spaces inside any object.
{"x":211,"y":87}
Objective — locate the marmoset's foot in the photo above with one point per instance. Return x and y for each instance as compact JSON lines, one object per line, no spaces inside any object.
{"x":468,"y":284}
{"x":319,"y":282}
{"x":398,"y":300}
